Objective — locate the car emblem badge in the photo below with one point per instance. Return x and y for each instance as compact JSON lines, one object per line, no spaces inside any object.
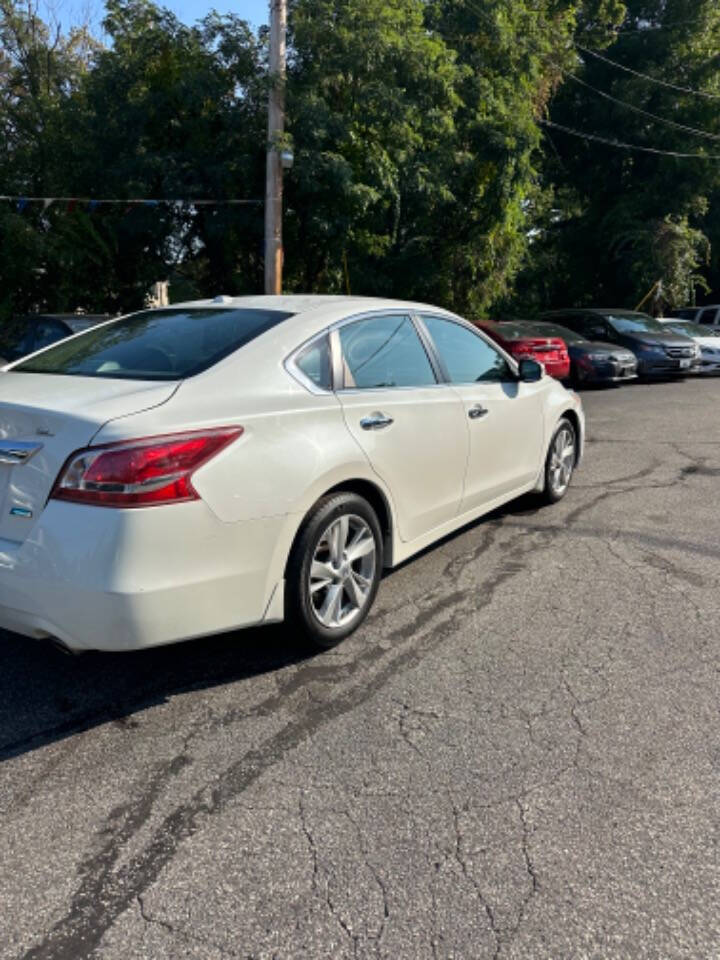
{"x":21,"y":512}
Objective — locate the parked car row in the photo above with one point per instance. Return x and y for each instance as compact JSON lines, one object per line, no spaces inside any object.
{"x":611,"y":346}
{"x":581,"y":346}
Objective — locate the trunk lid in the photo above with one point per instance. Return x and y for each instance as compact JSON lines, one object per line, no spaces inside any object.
{"x":43,"y":419}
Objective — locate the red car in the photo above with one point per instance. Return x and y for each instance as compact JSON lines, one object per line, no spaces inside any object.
{"x":521,"y":340}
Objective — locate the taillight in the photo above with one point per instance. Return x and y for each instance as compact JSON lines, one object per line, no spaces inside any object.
{"x":140,"y":473}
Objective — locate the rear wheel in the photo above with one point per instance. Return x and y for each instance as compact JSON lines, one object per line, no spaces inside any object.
{"x":560,"y":462}
{"x":334,"y":569}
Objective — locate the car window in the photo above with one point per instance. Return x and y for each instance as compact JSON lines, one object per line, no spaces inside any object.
{"x":314,"y":362}
{"x":384,"y":351}
{"x":707,"y":317}
{"x":593,"y":328}
{"x":569,"y":321}
{"x":47,"y":332}
{"x":466,"y":356}
{"x":155,"y":344}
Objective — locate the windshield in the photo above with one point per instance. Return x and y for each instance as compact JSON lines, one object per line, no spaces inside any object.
{"x":634,"y":323}
{"x":155,"y":345}
{"x":692,"y":329}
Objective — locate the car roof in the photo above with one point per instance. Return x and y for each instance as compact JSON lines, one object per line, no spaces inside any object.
{"x":297,"y":303}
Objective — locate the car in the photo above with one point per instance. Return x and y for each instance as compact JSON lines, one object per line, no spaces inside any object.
{"x":522,"y":340}
{"x":26,"y":334}
{"x":707,"y":339}
{"x":203,"y":467}
{"x":708,"y":316}
{"x":660,"y":352}
{"x":590,"y":361}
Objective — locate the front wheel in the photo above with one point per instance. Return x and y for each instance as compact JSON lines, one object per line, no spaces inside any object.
{"x":560,"y":462}
{"x":334,"y":569}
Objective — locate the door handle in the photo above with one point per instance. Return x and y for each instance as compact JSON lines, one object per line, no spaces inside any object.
{"x":376,"y":421}
{"x":478,"y":411}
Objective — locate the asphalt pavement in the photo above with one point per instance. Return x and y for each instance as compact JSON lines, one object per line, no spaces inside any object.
{"x":518,"y":756}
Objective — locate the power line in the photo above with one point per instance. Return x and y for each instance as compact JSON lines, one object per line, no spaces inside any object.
{"x":92,"y":202}
{"x":645,"y":113}
{"x":645,"y":76}
{"x":626,"y":146}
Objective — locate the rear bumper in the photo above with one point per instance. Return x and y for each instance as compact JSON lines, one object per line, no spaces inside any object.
{"x":100,"y":579}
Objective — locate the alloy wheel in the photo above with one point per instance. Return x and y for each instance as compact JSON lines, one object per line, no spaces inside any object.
{"x":342,"y":571}
{"x":562,"y":460}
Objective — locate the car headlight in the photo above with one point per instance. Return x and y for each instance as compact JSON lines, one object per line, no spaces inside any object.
{"x":655,"y":351}
{"x":598,"y":357}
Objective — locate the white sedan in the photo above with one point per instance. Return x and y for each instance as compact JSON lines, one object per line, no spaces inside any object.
{"x":707,"y":339}
{"x":207,"y":466}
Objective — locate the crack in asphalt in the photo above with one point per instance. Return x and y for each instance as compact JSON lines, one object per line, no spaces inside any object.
{"x":104,"y":892}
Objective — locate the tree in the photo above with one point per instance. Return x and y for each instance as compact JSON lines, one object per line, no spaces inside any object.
{"x":623,"y":219}
{"x":416,"y":136}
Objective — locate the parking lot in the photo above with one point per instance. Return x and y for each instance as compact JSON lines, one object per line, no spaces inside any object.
{"x":517,"y":755}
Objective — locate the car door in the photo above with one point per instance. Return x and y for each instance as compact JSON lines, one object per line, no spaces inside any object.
{"x":410,"y":426}
{"x":503,"y":416}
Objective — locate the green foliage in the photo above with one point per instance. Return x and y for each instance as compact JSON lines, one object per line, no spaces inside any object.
{"x":626,"y":219}
{"x":421,"y":166}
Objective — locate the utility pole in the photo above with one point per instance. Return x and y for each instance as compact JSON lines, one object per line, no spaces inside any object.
{"x":276,"y":127}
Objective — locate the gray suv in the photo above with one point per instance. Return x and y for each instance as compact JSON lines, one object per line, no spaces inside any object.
{"x":659,"y":351}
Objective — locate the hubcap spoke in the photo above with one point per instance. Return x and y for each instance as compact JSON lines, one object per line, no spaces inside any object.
{"x":321,"y":575}
{"x":338,"y":539}
{"x":354,"y":591}
{"x":361,"y":545}
{"x":329,"y":612}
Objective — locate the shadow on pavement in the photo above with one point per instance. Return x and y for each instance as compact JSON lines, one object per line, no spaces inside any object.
{"x":46,"y":695}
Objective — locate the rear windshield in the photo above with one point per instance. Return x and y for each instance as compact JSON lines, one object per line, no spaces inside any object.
{"x":155,"y":344}
{"x":520,"y":329}
{"x":543,"y":329}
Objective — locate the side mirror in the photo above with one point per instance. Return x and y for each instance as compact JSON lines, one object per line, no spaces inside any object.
{"x":530,"y":371}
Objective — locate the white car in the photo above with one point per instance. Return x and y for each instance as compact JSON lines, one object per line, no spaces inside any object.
{"x":707,"y":339}
{"x":703,"y":316}
{"x":194,"y":469}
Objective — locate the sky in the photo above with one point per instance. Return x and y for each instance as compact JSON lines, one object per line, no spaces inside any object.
{"x":255,"y":12}
{"x":71,"y":12}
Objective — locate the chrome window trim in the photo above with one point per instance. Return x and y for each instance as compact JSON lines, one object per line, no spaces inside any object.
{"x":291,"y":367}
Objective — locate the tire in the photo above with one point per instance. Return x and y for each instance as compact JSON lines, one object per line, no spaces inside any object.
{"x":328,"y":603}
{"x":558,"y":476}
